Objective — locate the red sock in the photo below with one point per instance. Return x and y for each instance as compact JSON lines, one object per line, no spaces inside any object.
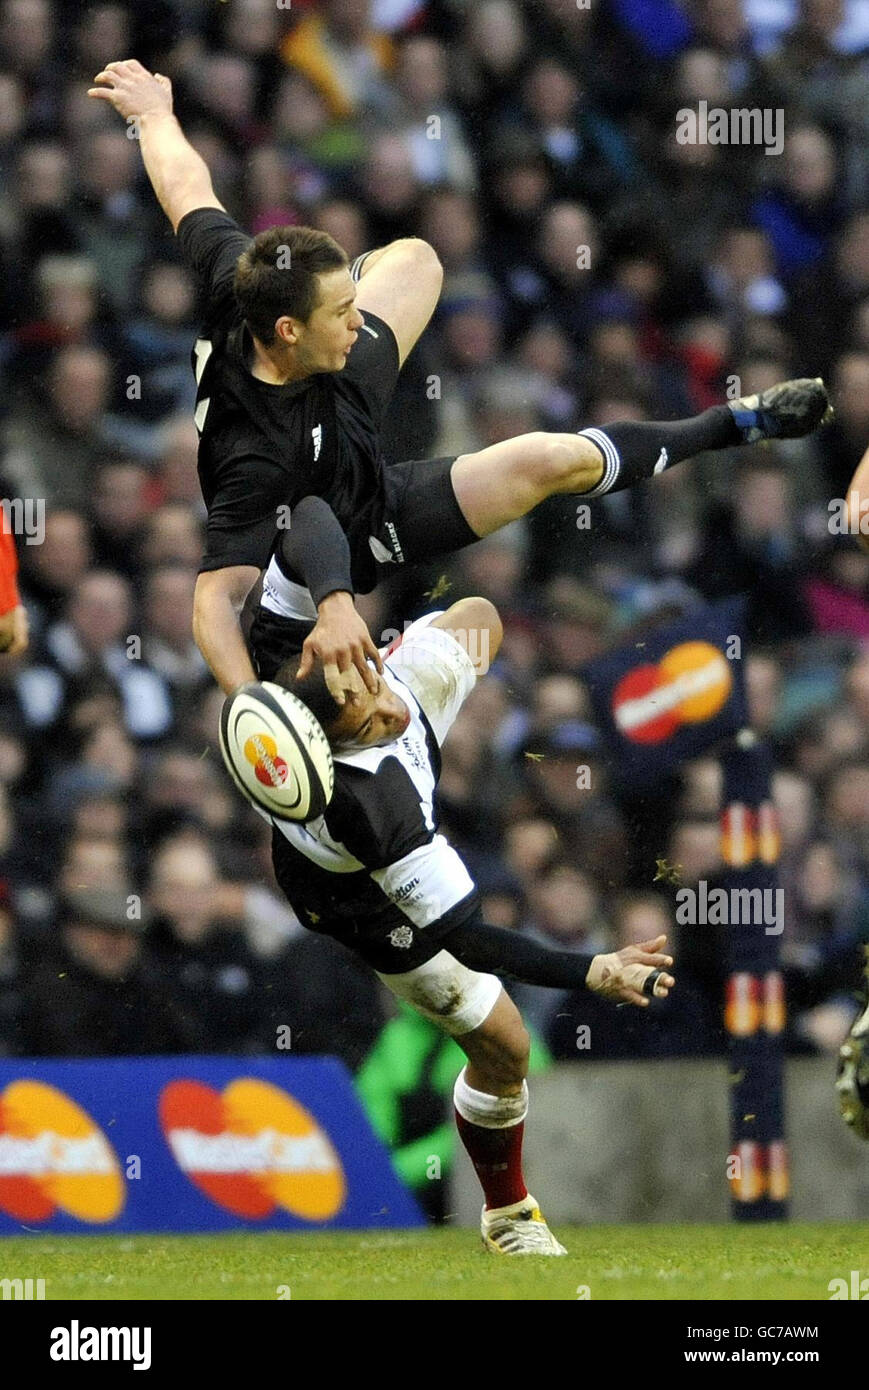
{"x":497,"y":1157}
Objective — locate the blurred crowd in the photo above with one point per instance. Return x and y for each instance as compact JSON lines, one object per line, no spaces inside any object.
{"x":596,"y":269}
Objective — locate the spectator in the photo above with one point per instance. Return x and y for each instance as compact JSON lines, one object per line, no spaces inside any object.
{"x":168,"y":645}
{"x":50,"y":445}
{"x":99,"y":992}
{"x":50,"y":571}
{"x":591,"y":157}
{"x":428,"y":124}
{"x":155,"y":344}
{"x":119,"y":509}
{"x":565,"y":914}
{"x":343,"y":56}
{"x":801,"y":216}
{"x":216,"y":974}
{"x":113,"y":225}
{"x":94,"y":639}
{"x":753,"y":546}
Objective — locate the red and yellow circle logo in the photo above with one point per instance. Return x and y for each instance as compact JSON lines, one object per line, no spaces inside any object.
{"x":261,"y":752}
{"x":252,"y":1149}
{"x":689,"y":685}
{"x":53,"y":1157}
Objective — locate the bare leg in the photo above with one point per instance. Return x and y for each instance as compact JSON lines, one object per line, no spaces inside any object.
{"x":497,"y":485}
{"x":491,"y":1101}
{"x":497,"y":1051}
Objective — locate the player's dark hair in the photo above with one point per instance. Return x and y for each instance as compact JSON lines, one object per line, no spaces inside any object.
{"x":277,"y":275}
{"x":312,"y":690}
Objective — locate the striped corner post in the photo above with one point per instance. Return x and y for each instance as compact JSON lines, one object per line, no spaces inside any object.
{"x":755,"y":1008}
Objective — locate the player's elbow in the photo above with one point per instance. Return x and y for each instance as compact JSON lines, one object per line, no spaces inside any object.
{"x":476,"y":625}
{"x":202,"y":605}
{"x":218,"y":596}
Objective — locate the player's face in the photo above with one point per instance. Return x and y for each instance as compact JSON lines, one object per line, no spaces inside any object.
{"x":370,"y":719}
{"x":326,"y":339}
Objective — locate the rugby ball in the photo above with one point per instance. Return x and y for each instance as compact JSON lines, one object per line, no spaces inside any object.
{"x":276,"y":752}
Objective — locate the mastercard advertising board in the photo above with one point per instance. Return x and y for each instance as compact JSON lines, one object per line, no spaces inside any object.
{"x":167,"y":1144}
{"x":672,"y":692}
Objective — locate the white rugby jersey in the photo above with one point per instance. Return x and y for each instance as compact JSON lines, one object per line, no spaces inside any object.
{"x":376,"y":855}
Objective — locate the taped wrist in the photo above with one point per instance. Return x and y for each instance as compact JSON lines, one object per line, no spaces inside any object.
{"x":608,"y":976}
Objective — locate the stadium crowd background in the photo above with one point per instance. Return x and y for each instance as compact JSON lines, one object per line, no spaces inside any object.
{"x":138,"y":909}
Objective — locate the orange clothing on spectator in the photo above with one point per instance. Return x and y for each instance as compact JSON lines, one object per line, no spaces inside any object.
{"x":307,"y":48}
{"x":9,"y":596}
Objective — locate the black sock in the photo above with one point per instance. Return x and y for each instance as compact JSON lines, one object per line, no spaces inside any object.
{"x":635,"y":451}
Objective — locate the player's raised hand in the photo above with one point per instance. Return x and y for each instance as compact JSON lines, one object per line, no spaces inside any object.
{"x":132,"y":89}
{"x":634,"y":974}
{"x":342,"y":642}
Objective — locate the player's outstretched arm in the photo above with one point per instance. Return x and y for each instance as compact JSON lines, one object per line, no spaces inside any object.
{"x":858,"y":502}
{"x":629,"y":976}
{"x":179,"y":176}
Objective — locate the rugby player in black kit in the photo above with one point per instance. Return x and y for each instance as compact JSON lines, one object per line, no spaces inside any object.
{"x":295,"y":366}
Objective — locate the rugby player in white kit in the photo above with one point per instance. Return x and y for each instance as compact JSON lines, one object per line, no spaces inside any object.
{"x":375,"y":873}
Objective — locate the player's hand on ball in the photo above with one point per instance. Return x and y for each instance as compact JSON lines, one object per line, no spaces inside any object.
{"x":132,"y":90}
{"x":342,"y":642}
{"x":634,"y":974}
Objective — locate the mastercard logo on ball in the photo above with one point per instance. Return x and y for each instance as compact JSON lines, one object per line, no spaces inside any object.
{"x":261,"y":752}
{"x":276,"y":752}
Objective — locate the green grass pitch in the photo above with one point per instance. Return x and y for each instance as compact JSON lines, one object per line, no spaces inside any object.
{"x":613,"y":1262}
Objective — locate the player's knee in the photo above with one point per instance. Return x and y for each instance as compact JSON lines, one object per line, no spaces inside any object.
{"x":430,"y":268}
{"x":423,"y":263}
{"x":551,"y":460}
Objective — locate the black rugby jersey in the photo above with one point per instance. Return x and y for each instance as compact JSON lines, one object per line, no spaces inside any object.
{"x":264,"y":447}
{"x":375,"y":863}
